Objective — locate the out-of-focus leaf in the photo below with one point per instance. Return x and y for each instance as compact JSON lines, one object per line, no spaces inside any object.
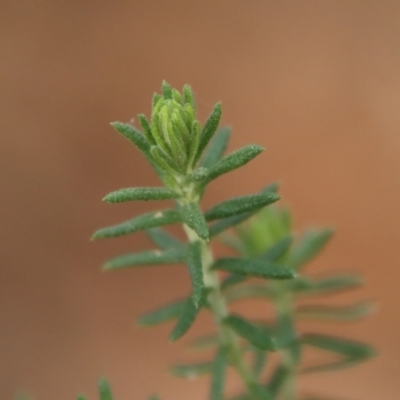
{"x":308,"y":246}
{"x":192,"y":371}
{"x":323,"y":286}
{"x":218,"y":374}
{"x":163,"y":314}
{"x":259,"y":361}
{"x":335,"y":313}
{"x":145,"y":258}
{"x":105,"y":390}
{"x":248,"y":291}
{"x":187,"y":317}
{"x":232,"y":280}
{"x":258,"y":336}
{"x":253,"y":268}
{"x":79,"y":397}
{"x":279,"y":249}
{"x":194,"y":219}
{"x":352,"y":352}
{"x":217,"y":148}
{"x":142,"y":222}
{"x":163,"y":239}
{"x":194,"y":263}
{"x":205,"y":342}
{"x":140,"y":193}
{"x":277,"y":379}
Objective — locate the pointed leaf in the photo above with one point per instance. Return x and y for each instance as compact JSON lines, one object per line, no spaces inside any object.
{"x":229,"y":222}
{"x":209,"y":129}
{"x":259,"y":361}
{"x":258,"y":336}
{"x":192,"y":371}
{"x":145,"y":221}
{"x":277,"y":379}
{"x":166,"y":90}
{"x":275,"y":252}
{"x":163,"y":314}
{"x":217,"y":148}
{"x":198,"y":175}
{"x":335,"y":313}
{"x":186,"y":319}
{"x":105,"y":390}
{"x":144,"y":123}
{"x":239,"y":205}
{"x":231,"y":280}
{"x":205,"y":342}
{"x":188,"y":97}
{"x":145,"y":258}
{"x":194,"y":263}
{"x":163,"y":239}
{"x":234,"y":160}
{"x":248,"y":291}
{"x":309,"y":245}
{"x":254,"y":268}
{"x":218,"y":375}
{"x":194,"y":219}
{"x":324,"y":286}
{"x":140,"y":193}
{"x":133,"y":135}
{"x":352,"y":352}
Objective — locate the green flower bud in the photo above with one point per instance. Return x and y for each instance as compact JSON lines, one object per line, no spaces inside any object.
{"x":174,"y":127}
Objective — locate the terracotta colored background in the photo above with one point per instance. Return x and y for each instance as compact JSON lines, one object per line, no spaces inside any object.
{"x":316,"y":82}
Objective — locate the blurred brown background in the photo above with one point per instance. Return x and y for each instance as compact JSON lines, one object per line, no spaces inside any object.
{"x":316,"y":82}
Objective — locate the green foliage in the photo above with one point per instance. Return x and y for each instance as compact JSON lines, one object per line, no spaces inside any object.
{"x":187,"y":157}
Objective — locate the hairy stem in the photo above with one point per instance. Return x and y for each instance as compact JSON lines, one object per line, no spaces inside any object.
{"x":220,"y":311}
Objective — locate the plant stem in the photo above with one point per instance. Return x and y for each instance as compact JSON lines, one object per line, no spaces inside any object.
{"x":220,"y":311}
{"x":283,"y":304}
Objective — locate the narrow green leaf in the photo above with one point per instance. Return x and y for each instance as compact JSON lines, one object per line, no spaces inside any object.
{"x":164,"y":163}
{"x":275,"y":252}
{"x":145,"y":124}
{"x":144,"y":221}
{"x":192,"y":371}
{"x":155,"y":99}
{"x":259,"y":361}
{"x":218,"y":374}
{"x":163,"y":239}
{"x":79,"y":397}
{"x":231,"y":280}
{"x":240,"y":205}
{"x":352,"y":352}
{"x":166,"y":90}
{"x":205,"y":342}
{"x":140,"y":193}
{"x":258,"y":336}
{"x":323,"y":286}
{"x":229,"y":222}
{"x":277,"y":379}
{"x":217,"y":148}
{"x":153,"y":398}
{"x":253,"y":268}
{"x":335,"y":313}
{"x":188,"y":97}
{"x":196,"y":272}
{"x":105,"y":390}
{"x":145,"y":258}
{"x":163,"y":314}
{"x":134,"y":136}
{"x":234,"y":160}
{"x":209,"y":129}
{"x":248,"y":291}
{"x":186,"y":319}
{"x":309,"y":245}
{"x":285,"y":331}
{"x":194,"y":219}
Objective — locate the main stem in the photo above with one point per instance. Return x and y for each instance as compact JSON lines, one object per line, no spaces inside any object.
{"x":220,"y":311}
